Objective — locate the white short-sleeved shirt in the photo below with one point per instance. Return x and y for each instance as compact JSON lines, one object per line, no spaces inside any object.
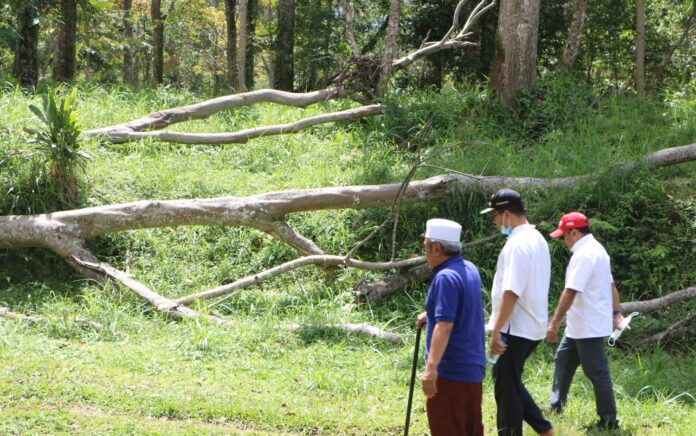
{"x":524,"y":267}
{"x":589,"y":273}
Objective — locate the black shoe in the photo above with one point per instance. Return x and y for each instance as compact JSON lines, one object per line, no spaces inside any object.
{"x":603,"y":426}
{"x":557,"y":409}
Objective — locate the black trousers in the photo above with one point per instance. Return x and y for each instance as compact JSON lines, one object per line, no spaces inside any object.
{"x":514,"y":402}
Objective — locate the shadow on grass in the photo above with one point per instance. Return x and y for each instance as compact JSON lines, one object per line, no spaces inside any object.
{"x":29,"y":276}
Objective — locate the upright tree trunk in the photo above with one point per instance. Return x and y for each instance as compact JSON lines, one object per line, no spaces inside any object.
{"x":241,"y":52}
{"x":640,"y":47}
{"x":157,"y":41}
{"x":26,"y":62}
{"x":350,"y":33}
{"x":231,"y":47}
{"x":66,"y":57}
{"x":284,"y":76}
{"x":514,"y":63}
{"x":252,"y":12}
{"x":570,"y":52}
{"x":389,"y":45}
{"x":128,"y":67}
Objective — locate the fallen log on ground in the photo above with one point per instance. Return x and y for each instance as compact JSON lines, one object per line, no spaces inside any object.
{"x":67,"y":232}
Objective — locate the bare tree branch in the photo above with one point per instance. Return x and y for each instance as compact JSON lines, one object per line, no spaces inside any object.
{"x":448,"y":41}
{"x":242,"y":136}
{"x":397,"y":282}
{"x":161,"y":119}
{"x":317,"y":260}
{"x":363,"y":329}
{"x":677,"y":329}
{"x":7,"y":313}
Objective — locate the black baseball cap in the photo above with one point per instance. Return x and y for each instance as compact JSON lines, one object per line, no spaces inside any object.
{"x":505,"y":199}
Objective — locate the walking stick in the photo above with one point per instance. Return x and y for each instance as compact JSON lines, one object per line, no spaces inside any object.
{"x":413,"y":379}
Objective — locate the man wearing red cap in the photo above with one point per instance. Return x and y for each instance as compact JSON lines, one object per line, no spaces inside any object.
{"x":589,"y":302}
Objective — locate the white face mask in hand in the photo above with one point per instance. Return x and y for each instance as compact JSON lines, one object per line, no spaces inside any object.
{"x":617,"y":332}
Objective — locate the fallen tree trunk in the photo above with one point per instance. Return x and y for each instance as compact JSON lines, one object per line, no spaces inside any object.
{"x":658,"y":303}
{"x":161,"y":119}
{"x":66,"y":232}
{"x":123,"y":135}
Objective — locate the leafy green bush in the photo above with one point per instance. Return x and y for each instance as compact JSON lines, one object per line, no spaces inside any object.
{"x":58,"y":142}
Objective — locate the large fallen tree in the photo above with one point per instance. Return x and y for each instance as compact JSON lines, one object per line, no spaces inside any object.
{"x":67,"y":232}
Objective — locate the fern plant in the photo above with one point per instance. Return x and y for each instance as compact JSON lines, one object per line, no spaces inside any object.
{"x":58,"y":142}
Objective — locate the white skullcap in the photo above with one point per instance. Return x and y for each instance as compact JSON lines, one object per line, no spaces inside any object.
{"x":443,"y":230}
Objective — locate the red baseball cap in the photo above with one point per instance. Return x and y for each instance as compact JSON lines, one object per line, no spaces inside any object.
{"x":572,"y":220}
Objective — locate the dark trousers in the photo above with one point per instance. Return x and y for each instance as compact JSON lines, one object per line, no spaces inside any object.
{"x":590,"y":353}
{"x":514,"y":402}
{"x":456,"y":409}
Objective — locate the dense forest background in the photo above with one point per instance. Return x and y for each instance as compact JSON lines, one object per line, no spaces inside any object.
{"x":550,"y":90}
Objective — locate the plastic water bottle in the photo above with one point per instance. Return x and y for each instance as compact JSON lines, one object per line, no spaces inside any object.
{"x":617,"y":332}
{"x":492,"y":359}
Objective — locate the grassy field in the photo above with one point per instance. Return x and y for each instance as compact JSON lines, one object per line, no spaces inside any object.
{"x":144,"y":374}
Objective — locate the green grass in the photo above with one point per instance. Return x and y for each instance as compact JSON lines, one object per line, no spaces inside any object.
{"x":142,"y":373}
{"x":255,"y":376}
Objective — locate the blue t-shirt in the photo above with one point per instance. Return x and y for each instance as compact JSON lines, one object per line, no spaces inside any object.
{"x":454,"y":296}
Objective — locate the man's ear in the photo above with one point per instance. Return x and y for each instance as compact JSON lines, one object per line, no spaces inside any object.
{"x":437,"y":248}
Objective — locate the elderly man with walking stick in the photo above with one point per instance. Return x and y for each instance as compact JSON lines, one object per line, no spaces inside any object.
{"x":455,"y":338}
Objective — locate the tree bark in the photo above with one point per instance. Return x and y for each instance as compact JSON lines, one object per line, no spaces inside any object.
{"x":128,"y":67}
{"x":66,"y":58}
{"x":157,"y":41}
{"x":570,"y":52}
{"x":515,"y":59}
{"x":389,"y":46}
{"x":231,"y":46}
{"x":26,"y":62}
{"x":242,"y":47}
{"x":284,"y":76}
{"x":640,"y":48}
{"x":252,"y":13}
{"x":350,"y":33}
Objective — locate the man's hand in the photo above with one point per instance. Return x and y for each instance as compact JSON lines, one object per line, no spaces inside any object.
{"x":618,"y":319}
{"x":552,"y":332}
{"x":429,"y":381}
{"x":421,"y":320}
{"x":496,"y":347}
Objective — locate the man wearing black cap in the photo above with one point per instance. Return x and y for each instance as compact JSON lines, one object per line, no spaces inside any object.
{"x":519,"y":312}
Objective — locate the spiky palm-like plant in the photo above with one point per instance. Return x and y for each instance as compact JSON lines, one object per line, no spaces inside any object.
{"x":58,"y":141}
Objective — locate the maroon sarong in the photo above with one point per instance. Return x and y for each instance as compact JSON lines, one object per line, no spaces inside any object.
{"x":456,"y":409}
